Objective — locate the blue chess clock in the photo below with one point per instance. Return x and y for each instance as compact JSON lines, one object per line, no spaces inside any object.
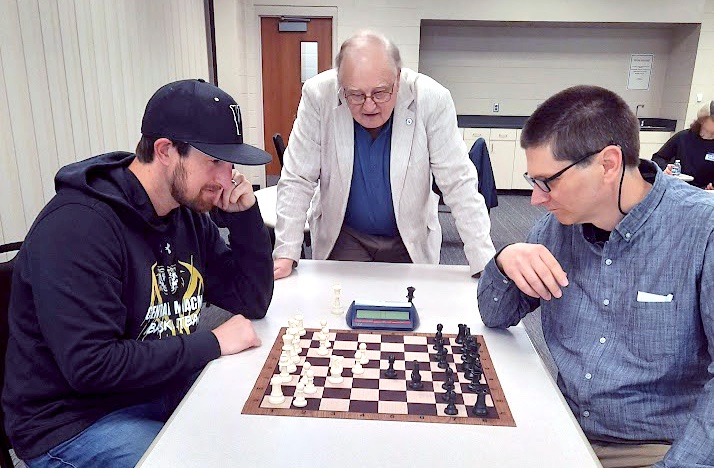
{"x":371,"y":315}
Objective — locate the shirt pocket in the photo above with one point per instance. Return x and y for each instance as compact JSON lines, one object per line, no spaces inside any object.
{"x":651,"y":330}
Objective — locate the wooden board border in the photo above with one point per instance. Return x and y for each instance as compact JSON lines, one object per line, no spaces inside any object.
{"x":252,"y":405}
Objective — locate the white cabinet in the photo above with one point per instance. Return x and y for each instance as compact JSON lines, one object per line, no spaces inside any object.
{"x":519,"y":166}
{"x":651,"y":142}
{"x":508,"y":159}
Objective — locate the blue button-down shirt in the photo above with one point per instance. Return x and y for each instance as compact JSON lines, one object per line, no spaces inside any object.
{"x":631,"y":371}
{"x":369,"y":206}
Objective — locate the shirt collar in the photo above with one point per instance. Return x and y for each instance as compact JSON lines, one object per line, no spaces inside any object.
{"x":387,"y":127}
{"x":638,"y":215}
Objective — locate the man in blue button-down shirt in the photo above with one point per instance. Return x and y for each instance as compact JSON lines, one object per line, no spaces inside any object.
{"x":622,"y":267}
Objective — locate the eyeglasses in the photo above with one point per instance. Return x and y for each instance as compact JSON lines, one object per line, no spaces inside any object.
{"x":378,"y":97}
{"x":543,"y":183}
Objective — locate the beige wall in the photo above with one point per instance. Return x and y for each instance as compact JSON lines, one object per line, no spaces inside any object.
{"x":401,"y":21}
{"x":519,"y":66}
{"x":74,"y":79}
{"x":703,"y":78}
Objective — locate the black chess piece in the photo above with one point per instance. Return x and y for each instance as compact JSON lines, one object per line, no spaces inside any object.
{"x":448,"y":383}
{"x":410,"y":293}
{"x":462,"y":333}
{"x":443,"y":363}
{"x":416,"y":383}
{"x":390,"y":373}
{"x":450,"y":406}
{"x":439,"y":337}
{"x":480,"y":408}
{"x":475,"y":380}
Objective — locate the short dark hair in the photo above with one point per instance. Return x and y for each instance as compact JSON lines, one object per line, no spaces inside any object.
{"x":583,"y":119}
{"x":145,"y":148}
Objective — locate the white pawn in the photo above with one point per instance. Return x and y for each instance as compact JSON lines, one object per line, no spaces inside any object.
{"x":283,"y":366}
{"x":300,"y":324}
{"x":276,"y":394}
{"x":296,"y":343}
{"x":299,"y":397}
{"x":305,"y":367}
{"x":364,"y":360}
{"x":357,"y":368}
{"x":326,"y":332}
{"x":322,"y":350}
{"x":323,"y":323}
{"x":310,"y":386}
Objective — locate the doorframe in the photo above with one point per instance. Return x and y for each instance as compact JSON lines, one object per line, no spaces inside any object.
{"x":278,"y":11}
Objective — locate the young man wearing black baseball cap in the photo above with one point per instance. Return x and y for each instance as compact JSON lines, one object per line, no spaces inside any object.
{"x":111,"y":279}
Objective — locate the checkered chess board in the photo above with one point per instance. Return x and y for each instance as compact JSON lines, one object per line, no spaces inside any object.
{"x":371,"y":395}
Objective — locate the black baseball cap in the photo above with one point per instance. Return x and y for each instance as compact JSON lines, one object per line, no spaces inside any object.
{"x":203,"y":116}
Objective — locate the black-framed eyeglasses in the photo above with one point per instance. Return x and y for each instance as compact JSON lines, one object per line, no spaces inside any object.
{"x":543,"y":183}
{"x":378,"y":97}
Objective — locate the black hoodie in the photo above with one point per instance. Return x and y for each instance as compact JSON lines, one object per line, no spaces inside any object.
{"x":107,"y":295}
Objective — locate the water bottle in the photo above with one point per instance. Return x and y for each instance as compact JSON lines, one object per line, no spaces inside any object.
{"x":676,"y":168}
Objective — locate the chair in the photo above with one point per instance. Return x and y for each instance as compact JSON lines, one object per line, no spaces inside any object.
{"x":5,"y":282}
{"x":279,"y":147}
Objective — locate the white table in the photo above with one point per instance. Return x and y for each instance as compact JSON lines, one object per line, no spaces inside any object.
{"x":208,"y":429}
{"x":267,"y":200}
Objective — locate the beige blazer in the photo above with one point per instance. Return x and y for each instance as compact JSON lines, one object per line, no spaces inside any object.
{"x":318,"y":163}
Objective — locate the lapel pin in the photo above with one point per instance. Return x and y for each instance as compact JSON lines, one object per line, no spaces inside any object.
{"x":409,"y":121}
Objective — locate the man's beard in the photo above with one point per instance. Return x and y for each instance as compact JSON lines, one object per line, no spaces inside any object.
{"x":178,"y":191}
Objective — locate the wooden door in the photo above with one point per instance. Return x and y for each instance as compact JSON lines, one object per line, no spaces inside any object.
{"x":281,"y":75}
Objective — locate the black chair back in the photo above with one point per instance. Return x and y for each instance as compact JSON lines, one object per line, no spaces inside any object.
{"x":279,"y":147}
{"x":5,"y":283}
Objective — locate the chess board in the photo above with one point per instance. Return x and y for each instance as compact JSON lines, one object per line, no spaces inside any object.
{"x":371,"y":395}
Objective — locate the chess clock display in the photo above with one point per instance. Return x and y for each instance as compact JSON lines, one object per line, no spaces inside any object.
{"x":383,"y":315}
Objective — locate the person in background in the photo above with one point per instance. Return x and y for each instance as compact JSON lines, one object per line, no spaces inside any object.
{"x":111,"y":279}
{"x":622,"y":268}
{"x":694,"y":148}
{"x":368,"y":137}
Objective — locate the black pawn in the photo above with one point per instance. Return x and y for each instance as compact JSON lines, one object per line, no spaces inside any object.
{"x":480,"y":408}
{"x":475,"y":380}
{"x":410,"y":293}
{"x":450,"y":406}
{"x":439,"y":337}
{"x":416,"y":383}
{"x":443,"y":363}
{"x":390,"y":373}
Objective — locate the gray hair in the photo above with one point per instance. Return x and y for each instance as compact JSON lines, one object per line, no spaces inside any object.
{"x":369,"y":37}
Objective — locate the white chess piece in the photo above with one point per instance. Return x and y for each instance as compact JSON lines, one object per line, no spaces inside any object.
{"x":310,"y":386}
{"x":300,"y":324}
{"x":283,"y":366}
{"x":326,"y":332}
{"x":357,"y":368}
{"x":276,"y":394}
{"x":299,"y":397}
{"x":289,"y":362}
{"x":322,"y":350}
{"x":296,"y":343}
{"x":336,"y":303}
{"x":305,"y":367}
{"x":323,"y":323}
{"x":336,"y":373}
{"x":364,"y":360}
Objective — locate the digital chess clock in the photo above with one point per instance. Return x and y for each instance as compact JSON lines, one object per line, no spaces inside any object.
{"x":382,"y":315}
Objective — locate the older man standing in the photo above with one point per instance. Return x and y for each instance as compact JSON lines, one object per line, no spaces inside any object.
{"x":368,"y":137}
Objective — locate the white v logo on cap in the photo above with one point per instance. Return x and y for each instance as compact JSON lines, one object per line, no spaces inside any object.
{"x":236,"y":117}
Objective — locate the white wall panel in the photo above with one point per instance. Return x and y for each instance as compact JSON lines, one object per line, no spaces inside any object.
{"x":74,"y":80}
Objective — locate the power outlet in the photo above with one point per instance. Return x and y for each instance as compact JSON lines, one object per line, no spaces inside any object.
{"x":496,"y":107}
